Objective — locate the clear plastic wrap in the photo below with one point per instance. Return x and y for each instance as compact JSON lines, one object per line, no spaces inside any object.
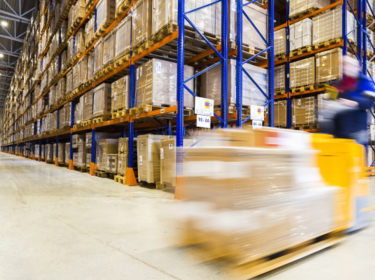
{"x":302,"y":72}
{"x":280,"y":41}
{"x":61,"y":89}
{"x":69,"y":82}
{"x":211,"y":84}
{"x":122,"y":164}
{"x":123,"y":36}
{"x":70,"y":49}
{"x":298,"y":6}
{"x":105,"y":147}
{"x":88,"y":140}
{"x":328,"y":26}
{"x":98,"y":56}
{"x":120,"y":94}
{"x":76,"y":76}
{"x":78,"y":113}
{"x":109,"y":44}
{"x":123,"y":145}
{"x":61,"y":155}
{"x":79,"y":10}
{"x":165,"y":12}
{"x":280,"y":110}
{"x":87,"y":105}
{"x":300,"y":34}
{"x":102,"y":100}
{"x":105,"y":13}
{"x":329,"y":65}
{"x":36,"y":151}
{"x":142,"y":23}
{"x":64,"y":62}
{"x":62,"y":117}
{"x":303,"y":111}
{"x":111,"y":163}
{"x":42,"y":152}
{"x":88,"y":160}
{"x":79,"y":47}
{"x":148,"y":149}
{"x":82,"y":64}
{"x":52,"y":96}
{"x":279,"y":77}
{"x":90,"y":29}
{"x":156,"y":83}
{"x":67,"y":108}
{"x":67,"y":153}
{"x":81,"y":151}
{"x":90,"y":66}
{"x":49,"y":152}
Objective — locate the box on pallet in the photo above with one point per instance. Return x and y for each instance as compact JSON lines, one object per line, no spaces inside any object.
{"x":105,"y":147}
{"x":67,"y":153}
{"x":78,"y":113}
{"x":90,"y":66}
{"x":280,"y":115}
{"x":303,"y":111}
{"x":98,"y":56}
{"x":300,"y":34}
{"x":111,"y":163}
{"x":141,"y":23}
{"x":61,"y":89}
{"x":279,"y":77}
{"x":49,"y":152}
{"x":90,"y":29}
{"x":328,"y":26}
{"x":122,"y":164}
{"x":81,"y":159}
{"x":120,"y":94}
{"x":105,"y":13}
{"x":109,"y":45}
{"x":156,"y":83}
{"x":69,"y":82}
{"x":329,"y":65}
{"x":61,"y":153}
{"x":148,"y":149}
{"x":297,"y":7}
{"x":302,"y":72}
{"x":280,"y":41}
{"x":102,"y":101}
{"x":79,"y":10}
{"x":79,"y":41}
{"x":211,"y":84}
{"x":123,"y":37}
{"x":88,"y":160}
{"x":86,"y":100}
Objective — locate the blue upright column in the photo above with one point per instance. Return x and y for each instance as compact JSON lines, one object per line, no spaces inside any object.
{"x":224,"y":64}
{"x":71,"y":164}
{"x":271,"y":62}
{"x":239,"y":73}
{"x":287,"y":71}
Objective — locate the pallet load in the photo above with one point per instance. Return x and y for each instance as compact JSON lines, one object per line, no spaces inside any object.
{"x":122,"y":156}
{"x":303,"y":112}
{"x":109,"y":45}
{"x":98,"y":56}
{"x":79,"y":46}
{"x":300,"y":37}
{"x":81,"y":156}
{"x":156,"y":83}
{"x":280,"y":43}
{"x":123,"y":39}
{"x":279,"y":79}
{"x":211,"y":85}
{"x":105,"y":14}
{"x":78,"y":112}
{"x":298,"y":8}
{"x":141,"y":26}
{"x":111,"y":163}
{"x":67,"y":153}
{"x":90,"y":30}
{"x":69,"y":82}
{"x":36,"y":151}
{"x":327,"y":28}
{"x":102,"y":103}
{"x":280,"y":113}
{"x":61,"y":89}
{"x":105,"y":147}
{"x":86,"y":100}
{"x":302,"y":74}
{"x":49,"y":153}
{"x":61,"y":153}
{"x":329,"y":66}
{"x":80,"y":73}
{"x":120,"y":96}
{"x":148,"y":149}
{"x":225,"y":200}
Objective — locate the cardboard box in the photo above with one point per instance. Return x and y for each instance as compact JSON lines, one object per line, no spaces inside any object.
{"x":98,"y":56}
{"x":109,"y":45}
{"x":88,"y":160}
{"x":111,"y":163}
{"x":122,"y":164}
{"x":280,"y":111}
{"x":67,"y":153}
{"x":329,"y":65}
{"x":299,"y":6}
{"x":61,"y":153}
{"x":105,"y":13}
{"x":123,"y":37}
{"x":105,"y":147}
{"x":141,"y":23}
{"x":280,"y":41}
{"x":279,"y":77}
{"x":302,"y":72}
{"x":102,"y":100}
{"x":87,"y":105}
{"x":303,"y":111}
{"x":120,"y":94}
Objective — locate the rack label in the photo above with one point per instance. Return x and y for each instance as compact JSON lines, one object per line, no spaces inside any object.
{"x":257,"y":113}
{"x":257,"y":124}
{"x":204,"y":106}
{"x":203,"y":121}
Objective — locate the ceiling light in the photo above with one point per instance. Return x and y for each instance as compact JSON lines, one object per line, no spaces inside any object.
{"x":4,"y":23}
{"x":1,"y":55}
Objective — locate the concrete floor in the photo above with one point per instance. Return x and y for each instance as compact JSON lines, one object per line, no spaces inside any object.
{"x":60,"y":224}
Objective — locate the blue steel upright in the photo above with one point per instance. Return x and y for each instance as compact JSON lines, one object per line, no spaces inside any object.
{"x":271,"y":60}
{"x":287,"y":71}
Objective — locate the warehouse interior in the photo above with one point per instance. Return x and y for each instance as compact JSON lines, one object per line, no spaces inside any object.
{"x":187,"y":139}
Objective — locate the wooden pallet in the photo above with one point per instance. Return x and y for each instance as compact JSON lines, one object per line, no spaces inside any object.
{"x":120,"y":113}
{"x":280,"y":92}
{"x":232,"y":109}
{"x":81,"y":168}
{"x":101,"y":119}
{"x":88,"y":122}
{"x":325,"y":83}
{"x":299,"y":51}
{"x":303,"y":13}
{"x":165,"y":31}
{"x":120,"y":179}
{"x":280,"y":56}
{"x":327,"y":43}
{"x":120,"y":61}
{"x":122,"y":7}
{"x":104,"y":174}
{"x":142,"y":47}
{"x":304,"y":126}
{"x":302,"y":88}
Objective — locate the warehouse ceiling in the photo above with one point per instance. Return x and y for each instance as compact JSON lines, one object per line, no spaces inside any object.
{"x":14,"y":19}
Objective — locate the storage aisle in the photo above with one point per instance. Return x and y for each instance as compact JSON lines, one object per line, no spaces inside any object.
{"x":59,"y":224}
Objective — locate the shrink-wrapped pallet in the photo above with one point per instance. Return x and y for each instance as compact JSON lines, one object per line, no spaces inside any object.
{"x":141,"y":23}
{"x":42,"y":152}
{"x":79,"y":10}
{"x":102,"y":101}
{"x":328,"y":26}
{"x":36,"y":151}
{"x":303,"y":111}
{"x":53,"y":120}
{"x":211,"y":84}
{"x":98,"y":56}
{"x":299,"y":6}
{"x":49,"y":152}
{"x":156,"y":83}
{"x":280,"y":41}
{"x":300,"y":34}
{"x":52,"y":96}
{"x":62,"y":117}
{"x":105,"y":147}
{"x":90,"y":30}
{"x":75,"y":158}
{"x":120,"y":94}
{"x":64,"y":62}
{"x":79,"y":46}
{"x":78,"y":113}
{"x":88,"y":140}
{"x":70,"y":50}
{"x":67,"y":153}
{"x":105,"y":11}
{"x":148,"y":149}
{"x":329,"y":65}
{"x":109,"y":44}
{"x":280,"y":113}
{"x":69,"y":82}
{"x":87,"y":105}
{"x":122,"y":164}
{"x":81,"y":160}
{"x":302,"y":72}
{"x":61,"y":89}
{"x":279,"y":77}
{"x":67,"y":108}
{"x":90,"y":66}
{"x":82,"y":66}
{"x":61,"y":153}
{"x":123,"y":37}
{"x":123,"y":145}
{"x":111,"y":163}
